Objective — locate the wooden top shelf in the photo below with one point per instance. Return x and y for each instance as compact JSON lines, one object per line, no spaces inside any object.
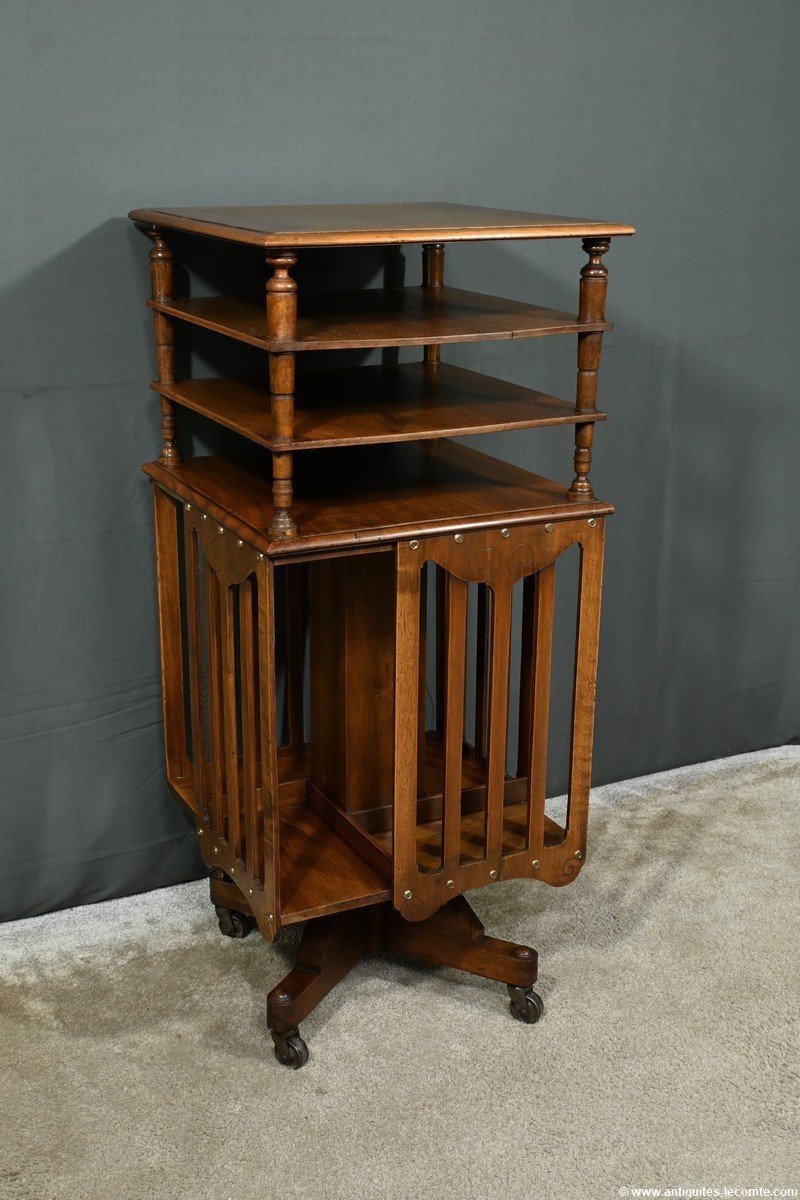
{"x":298,"y":225}
{"x":357,"y":497}
{"x":413,"y":316}
{"x":367,"y":405}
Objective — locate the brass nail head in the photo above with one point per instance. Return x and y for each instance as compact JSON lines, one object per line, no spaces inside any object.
{"x":504,"y":533}
{"x":493,"y":874}
{"x":579,"y":854}
{"x":260,"y":557}
{"x":407,"y":895}
{"x":188,"y":507}
{"x":215,"y":849}
{"x":250,"y":892}
{"x":591,"y":522}
{"x":220,"y":529}
{"x":414,"y":545}
{"x":451,"y":883}
{"x":203,"y":516}
{"x":239,"y":542}
{"x":270,"y":917}
{"x":459,"y":537}
{"x":549,"y":527}
{"x":199,"y":833}
{"x":233,"y":870}
{"x":536,"y":864}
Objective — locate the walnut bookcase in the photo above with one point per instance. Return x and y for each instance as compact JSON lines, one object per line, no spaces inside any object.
{"x":310,"y":603}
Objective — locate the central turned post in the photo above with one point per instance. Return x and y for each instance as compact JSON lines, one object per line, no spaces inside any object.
{"x":432,"y":277}
{"x":281,"y":327}
{"x":591,"y":307}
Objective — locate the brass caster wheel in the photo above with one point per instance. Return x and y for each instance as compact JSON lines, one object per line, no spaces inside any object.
{"x":233,"y":924}
{"x":526,"y":1006}
{"x":290,"y":1049}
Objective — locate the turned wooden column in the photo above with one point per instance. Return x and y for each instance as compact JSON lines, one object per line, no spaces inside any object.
{"x":281,"y":327}
{"x":161,"y":289}
{"x":432,"y":277}
{"x":591,"y":307}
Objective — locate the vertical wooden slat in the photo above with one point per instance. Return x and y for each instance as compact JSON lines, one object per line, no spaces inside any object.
{"x":455,"y":657}
{"x":171,"y":642}
{"x":440,"y":647}
{"x":195,"y":660}
{"x":295,"y":654}
{"x":213,"y":666}
{"x":498,"y":714}
{"x":422,"y":702}
{"x":250,"y":757}
{"x":230,"y":739}
{"x":585,"y":682}
{"x":538,"y":698}
{"x":406,"y":699}
{"x":482,"y":670}
{"x":268,"y":736}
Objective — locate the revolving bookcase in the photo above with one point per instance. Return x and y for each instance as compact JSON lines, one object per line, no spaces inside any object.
{"x":336,"y":628}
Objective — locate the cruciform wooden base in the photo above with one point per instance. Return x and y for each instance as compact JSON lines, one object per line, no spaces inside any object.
{"x":331,"y":946}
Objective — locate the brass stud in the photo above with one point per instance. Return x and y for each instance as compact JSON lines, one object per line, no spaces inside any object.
{"x":536,"y":864}
{"x":493,"y":874}
{"x":579,"y":854}
{"x":250,"y":891}
{"x":233,"y":870}
{"x":239,"y":542}
{"x":270,"y":917}
{"x":451,"y":883}
{"x":260,"y":557}
{"x":407,"y":895}
{"x":459,"y":537}
{"x":215,"y":849}
{"x":549,"y":527}
{"x":414,"y":545}
{"x":504,"y":533}
{"x":203,"y":516}
{"x":199,"y":833}
{"x":187,"y":507}
{"x":220,"y":529}
{"x":591,"y":522}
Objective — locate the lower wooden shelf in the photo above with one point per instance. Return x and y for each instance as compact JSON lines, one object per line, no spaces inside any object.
{"x":356,"y":497}
{"x":321,"y":872}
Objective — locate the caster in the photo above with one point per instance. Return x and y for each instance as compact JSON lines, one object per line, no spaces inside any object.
{"x":526,"y":1006}
{"x":290,"y":1049}
{"x":233,"y":924}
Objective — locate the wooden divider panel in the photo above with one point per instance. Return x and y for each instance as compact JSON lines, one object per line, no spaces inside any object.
{"x":220,"y":615}
{"x":496,"y":560}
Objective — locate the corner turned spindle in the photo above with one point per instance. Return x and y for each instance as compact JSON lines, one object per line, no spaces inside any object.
{"x":591,"y":307}
{"x":432,"y":277}
{"x":281,"y":327}
{"x":161,"y":289}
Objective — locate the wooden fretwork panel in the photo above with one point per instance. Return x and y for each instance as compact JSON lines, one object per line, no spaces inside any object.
{"x":504,"y":832}
{"x":218,"y":659}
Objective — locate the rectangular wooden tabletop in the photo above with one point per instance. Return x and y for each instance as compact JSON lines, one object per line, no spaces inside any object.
{"x":294,"y":225}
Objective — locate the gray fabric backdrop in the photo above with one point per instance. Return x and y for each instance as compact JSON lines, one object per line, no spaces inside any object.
{"x":679,"y":118}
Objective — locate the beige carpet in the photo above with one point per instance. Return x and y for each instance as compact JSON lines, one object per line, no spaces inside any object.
{"x":136,"y":1063}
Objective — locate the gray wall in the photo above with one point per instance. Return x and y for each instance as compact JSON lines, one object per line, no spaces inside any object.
{"x":679,"y":118}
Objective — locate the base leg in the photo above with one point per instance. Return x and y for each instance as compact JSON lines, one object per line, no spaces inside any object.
{"x":330,"y":948}
{"x":454,"y":937}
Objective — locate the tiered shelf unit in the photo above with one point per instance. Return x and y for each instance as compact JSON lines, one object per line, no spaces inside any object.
{"x":308,"y":602}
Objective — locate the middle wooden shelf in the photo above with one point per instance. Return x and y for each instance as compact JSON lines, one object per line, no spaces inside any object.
{"x":412,"y":316}
{"x":372,"y":404}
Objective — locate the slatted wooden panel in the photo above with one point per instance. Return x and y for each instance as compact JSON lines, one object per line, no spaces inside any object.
{"x":496,"y":560}
{"x":230,"y":776}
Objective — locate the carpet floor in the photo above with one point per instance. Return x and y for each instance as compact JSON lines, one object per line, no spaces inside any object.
{"x":136,"y":1062}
